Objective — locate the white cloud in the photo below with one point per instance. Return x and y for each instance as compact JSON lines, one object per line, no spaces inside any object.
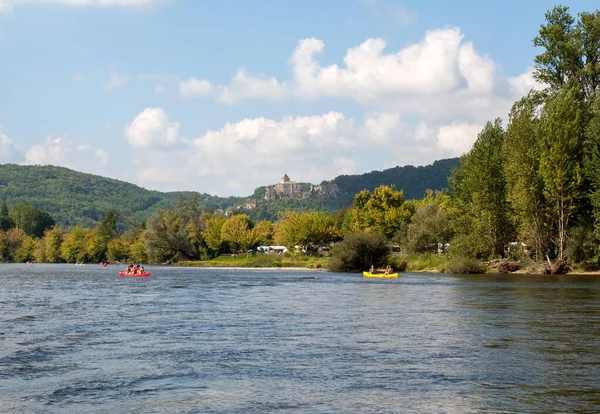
{"x":428,"y":67}
{"x":380,"y":127}
{"x":151,"y":128}
{"x":194,"y":86}
{"x":440,"y":79}
{"x":520,"y":85}
{"x":241,"y":156}
{"x":5,"y":6}
{"x":241,"y":86}
{"x":116,"y":81}
{"x":457,"y":138}
{"x":65,"y":152}
{"x":8,"y":150}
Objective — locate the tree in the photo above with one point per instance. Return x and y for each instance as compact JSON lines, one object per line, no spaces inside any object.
{"x":212,"y":224}
{"x":479,"y":185}
{"x":6,"y":222}
{"x":429,"y":226}
{"x":358,"y":251}
{"x":263,"y":232}
{"x":561,"y":160}
{"x":525,"y":186}
{"x":237,"y":232}
{"x":304,"y":229}
{"x":108,"y":228}
{"x":31,"y":220}
{"x":592,"y":160}
{"x":75,"y":245}
{"x":186,"y":208}
{"x":383,"y":211}
{"x":166,"y":237}
{"x":25,"y":252}
{"x":571,"y":53}
{"x":52,"y":245}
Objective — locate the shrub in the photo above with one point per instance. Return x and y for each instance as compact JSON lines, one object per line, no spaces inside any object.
{"x":398,"y":263}
{"x":580,"y":244}
{"x":358,"y":252}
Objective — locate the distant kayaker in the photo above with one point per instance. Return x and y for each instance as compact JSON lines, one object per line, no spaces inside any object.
{"x":388,"y":270}
{"x":372,"y":269}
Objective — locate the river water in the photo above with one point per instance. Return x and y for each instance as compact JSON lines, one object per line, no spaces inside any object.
{"x":81,"y":339}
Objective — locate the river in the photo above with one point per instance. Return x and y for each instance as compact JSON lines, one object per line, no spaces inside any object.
{"x":81,"y":339}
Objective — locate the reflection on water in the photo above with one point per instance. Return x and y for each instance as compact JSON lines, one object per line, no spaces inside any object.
{"x":81,"y":339}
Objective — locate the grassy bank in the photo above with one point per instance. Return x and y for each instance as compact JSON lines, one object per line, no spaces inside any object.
{"x":412,"y":263}
{"x":262,"y":260}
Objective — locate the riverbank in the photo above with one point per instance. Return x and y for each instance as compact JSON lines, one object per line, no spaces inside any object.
{"x":262,"y":261}
{"x":414,"y":263}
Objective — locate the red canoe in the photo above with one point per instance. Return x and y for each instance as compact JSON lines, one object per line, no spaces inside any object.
{"x":134,"y":275}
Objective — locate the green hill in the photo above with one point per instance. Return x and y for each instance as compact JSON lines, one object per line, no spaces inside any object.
{"x":75,"y":198}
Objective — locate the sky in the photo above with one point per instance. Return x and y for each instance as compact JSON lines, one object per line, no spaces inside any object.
{"x":223,"y":96}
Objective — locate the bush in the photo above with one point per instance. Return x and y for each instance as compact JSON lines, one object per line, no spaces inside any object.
{"x":464,"y":265}
{"x":580,"y":244}
{"x":398,"y":263}
{"x":358,"y":251}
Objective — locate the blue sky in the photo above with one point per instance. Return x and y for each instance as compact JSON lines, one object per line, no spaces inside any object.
{"x":224,"y":96}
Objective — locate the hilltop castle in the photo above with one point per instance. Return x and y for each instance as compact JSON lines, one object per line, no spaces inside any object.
{"x":287,"y":188}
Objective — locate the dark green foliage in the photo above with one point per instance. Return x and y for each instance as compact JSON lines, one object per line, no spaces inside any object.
{"x":571,"y":53}
{"x":358,"y":252}
{"x":592,"y":160}
{"x":5,"y":220}
{"x":398,"y":263}
{"x":480,"y":188}
{"x":580,"y":244}
{"x":75,"y":198}
{"x":413,"y":181}
{"x":31,"y":220}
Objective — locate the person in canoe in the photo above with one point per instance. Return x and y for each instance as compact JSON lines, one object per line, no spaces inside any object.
{"x":372,"y":269}
{"x":388,"y":270}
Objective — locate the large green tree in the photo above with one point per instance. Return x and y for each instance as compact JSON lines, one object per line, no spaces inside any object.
{"x":592,"y":160}
{"x":383,"y":211}
{"x":480,"y":187}
{"x":31,"y":219}
{"x":5,"y":220}
{"x":571,"y":52}
{"x":525,"y":186}
{"x":237,"y":233}
{"x":166,"y":237}
{"x":561,"y":161}
{"x":305,"y":229}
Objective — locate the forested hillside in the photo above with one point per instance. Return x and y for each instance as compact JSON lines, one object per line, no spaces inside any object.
{"x":413,"y":181}
{"x":75,"y":198}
